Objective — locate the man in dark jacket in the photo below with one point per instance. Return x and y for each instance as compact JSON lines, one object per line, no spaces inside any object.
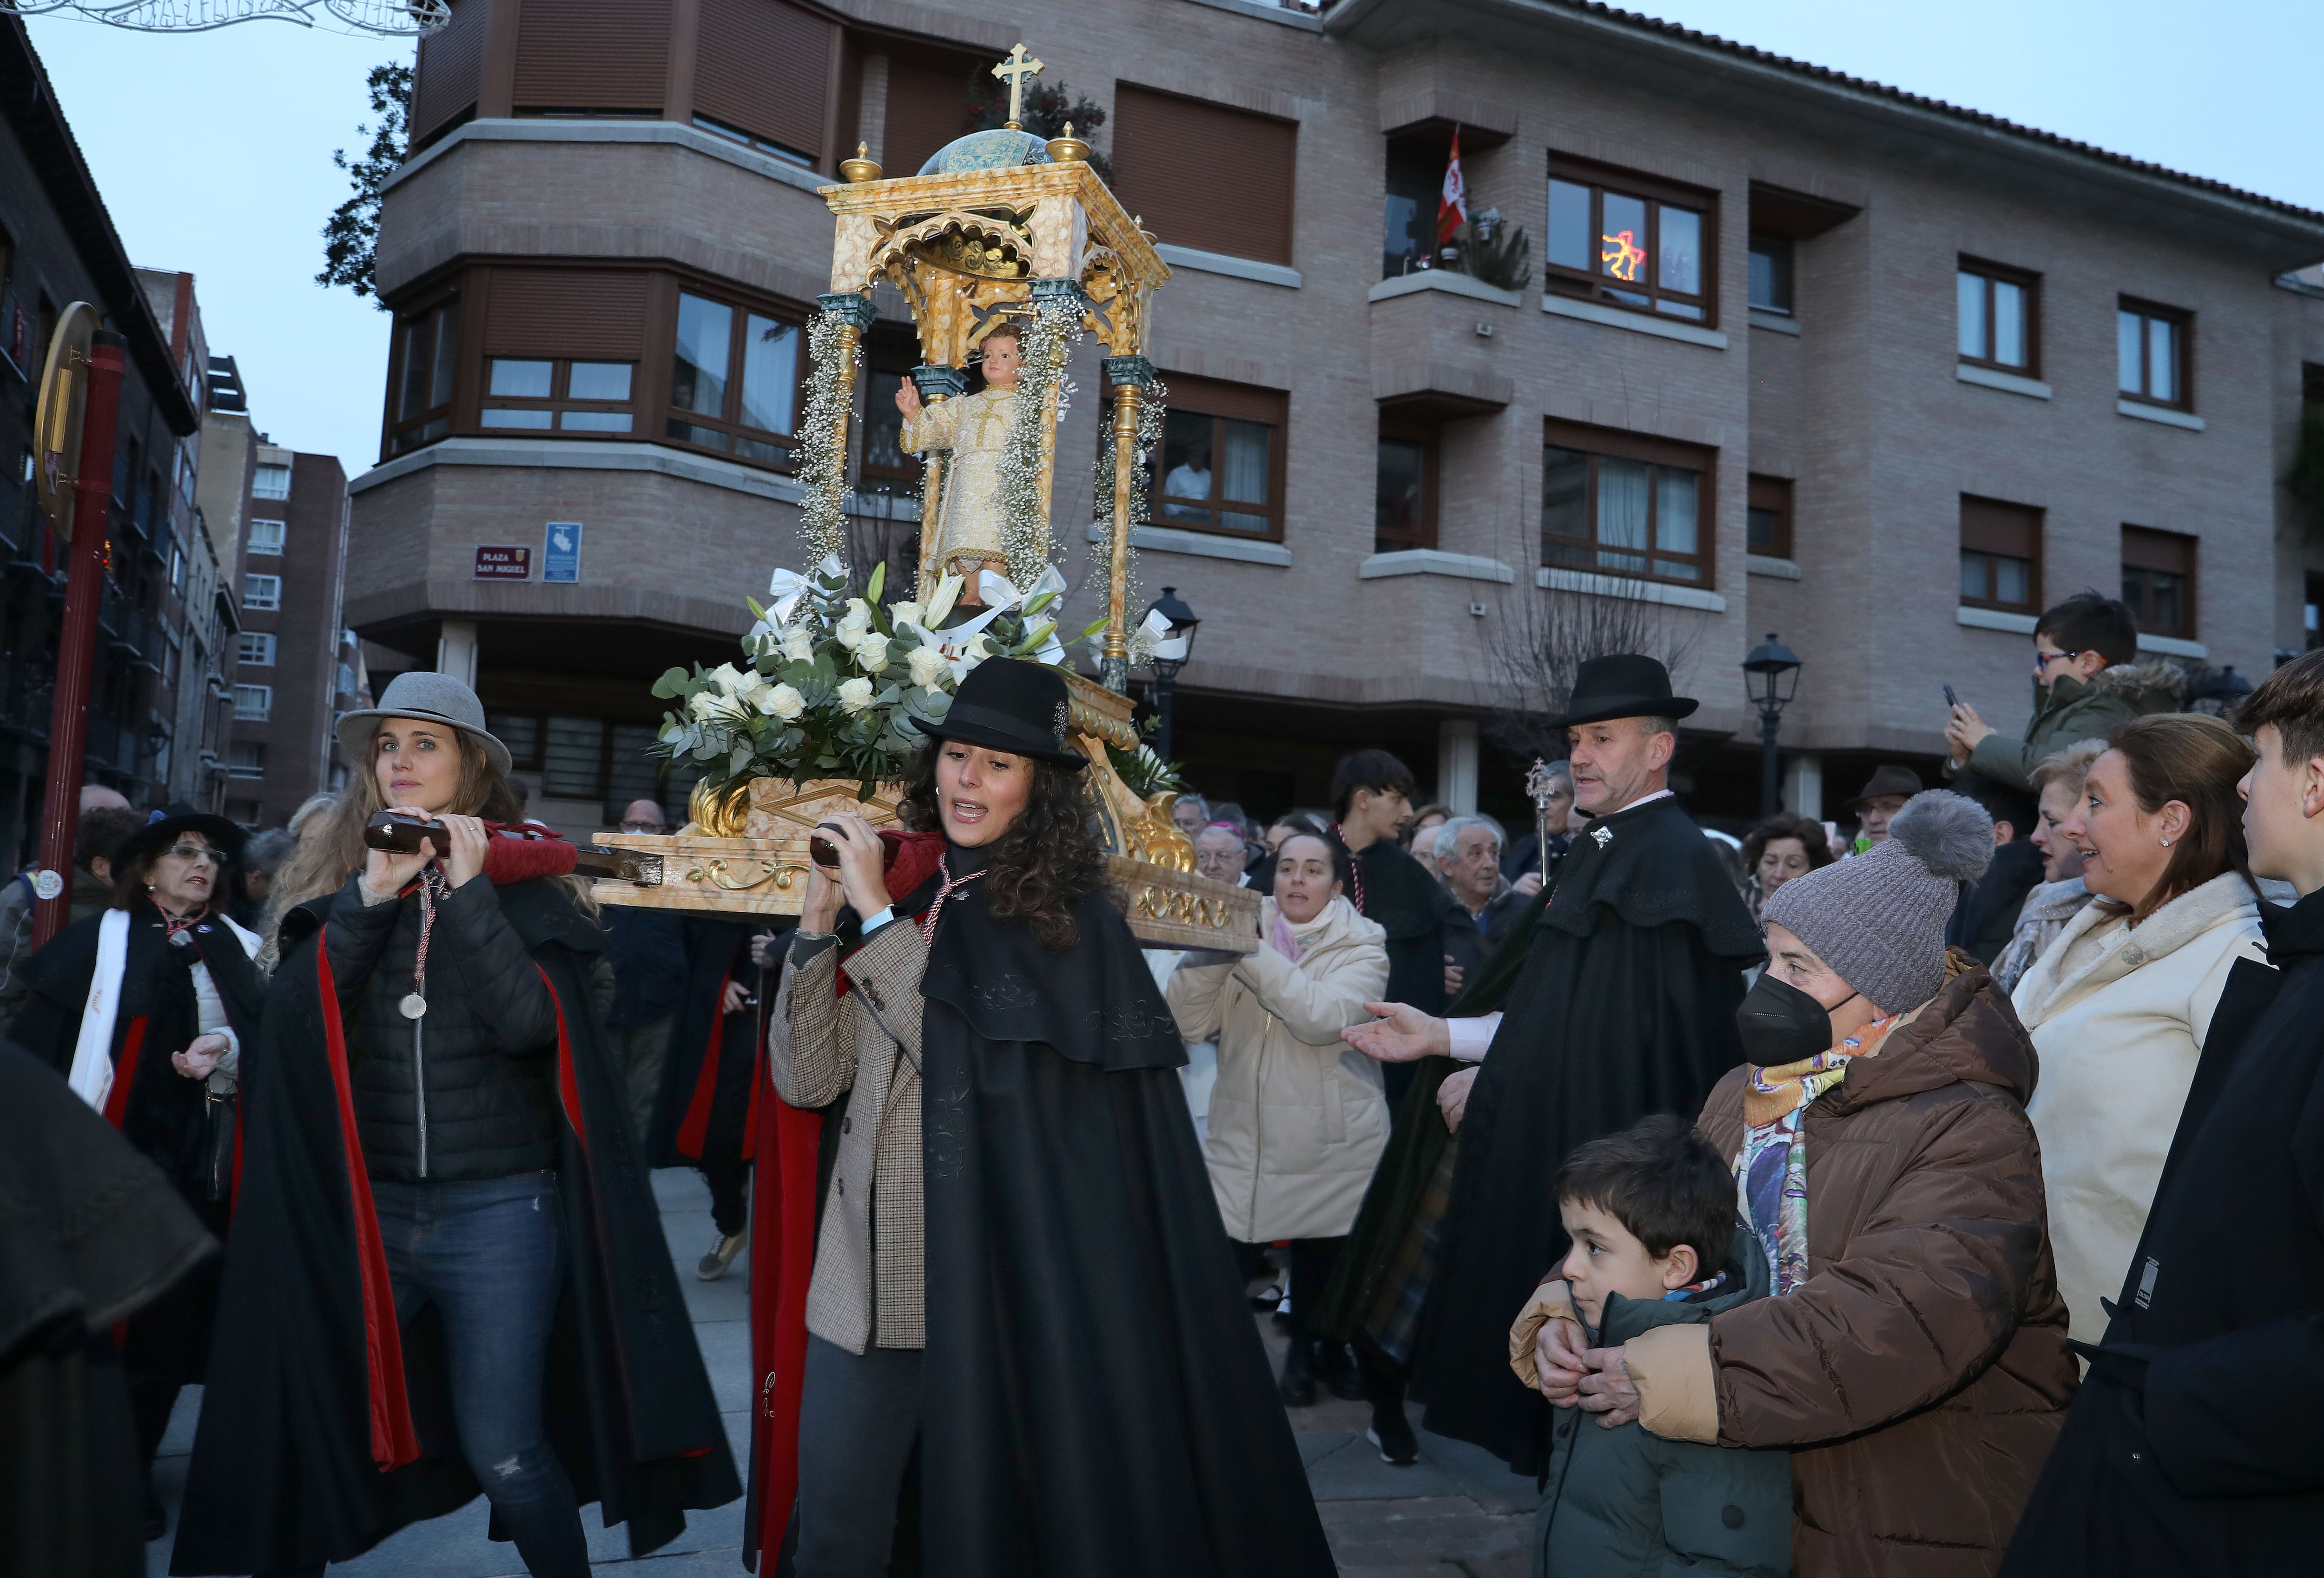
{"x":2192,"y":1447}
{"x":650,"y":966}
{"x":1987,"y":915}
{"x":1371,"y":797}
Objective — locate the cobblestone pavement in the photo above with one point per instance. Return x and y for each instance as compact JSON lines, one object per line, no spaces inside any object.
{"x":1456,"y":1514}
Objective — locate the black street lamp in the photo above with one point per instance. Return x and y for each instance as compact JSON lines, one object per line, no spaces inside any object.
{"x":1172,"y":649}
{"x":1772,"y":675}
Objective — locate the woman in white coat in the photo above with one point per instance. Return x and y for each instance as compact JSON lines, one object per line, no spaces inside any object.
{"x":2120,"y":1003}
{"x":1297,"y":1121}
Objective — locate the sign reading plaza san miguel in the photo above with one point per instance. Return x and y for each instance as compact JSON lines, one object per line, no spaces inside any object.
{"x":504,"y":562}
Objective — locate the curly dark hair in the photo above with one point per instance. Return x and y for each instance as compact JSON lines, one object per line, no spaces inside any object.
{"x":1787,"y":824}
{"x":1045,"y":860}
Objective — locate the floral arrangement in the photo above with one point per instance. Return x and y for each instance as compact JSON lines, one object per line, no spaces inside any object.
{"x":835,"y":686}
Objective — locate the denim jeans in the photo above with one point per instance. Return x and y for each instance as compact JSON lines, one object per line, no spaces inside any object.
{"x":490,"y":1256}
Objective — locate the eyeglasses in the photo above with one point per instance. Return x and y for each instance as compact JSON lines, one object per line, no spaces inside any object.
{"x":641,"y":827}
{"x":2041,"y":660}
{"x":196,"y":851}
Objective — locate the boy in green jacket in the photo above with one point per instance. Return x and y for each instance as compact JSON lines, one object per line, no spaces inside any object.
{"x":2087,"y":679}
{"x":1643,"y":1208}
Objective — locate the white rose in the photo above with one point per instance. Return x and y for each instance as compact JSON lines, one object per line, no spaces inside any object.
{"x":783,"y":702}
{"x":857,"y":624}
{"x":871,"y":653}
{"x":855,"y":695}
{"x":727,"y":678}
{"x":700,"y":704}
{"x":798,"y":645}
{"x":905,"y":613}
{"x":929,"y":665}
{"x":751,"y":688}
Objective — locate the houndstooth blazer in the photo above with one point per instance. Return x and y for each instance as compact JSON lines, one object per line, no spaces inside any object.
{"x":868,"y":1284}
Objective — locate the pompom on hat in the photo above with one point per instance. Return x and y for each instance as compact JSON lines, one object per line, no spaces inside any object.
{"x":1879,"y":919}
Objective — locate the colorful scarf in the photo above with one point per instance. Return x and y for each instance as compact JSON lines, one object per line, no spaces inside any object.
{"x":1771,"y":1173}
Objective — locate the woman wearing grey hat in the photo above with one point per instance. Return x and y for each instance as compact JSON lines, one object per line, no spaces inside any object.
{"x":447,"y":1271}
{"x":1915,"y":1357}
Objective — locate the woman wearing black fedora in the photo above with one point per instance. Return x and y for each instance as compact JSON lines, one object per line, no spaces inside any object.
{"x":1020,"y":1272}
{"x":447,"y":1272}
{"x":146,"y":1008}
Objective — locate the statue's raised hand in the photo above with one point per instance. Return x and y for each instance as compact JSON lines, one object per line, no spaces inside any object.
{"x":907,"y":398}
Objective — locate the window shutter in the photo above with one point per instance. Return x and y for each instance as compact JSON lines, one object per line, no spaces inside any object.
{"x":927,"y":107}
{"x":765,"y":67}
{"x":1623,"y":444}
{"x":1989,"y":526}
{"x":592,"y":54}
{"x":585,"y":313}
{"x":2167,"y":551}
{"x":1174,"y":159}
{"x":450,"y":66}
{"x":1210,"y":397}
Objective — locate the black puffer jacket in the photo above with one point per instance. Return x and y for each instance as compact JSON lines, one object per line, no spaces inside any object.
{"x":465,"y":1092}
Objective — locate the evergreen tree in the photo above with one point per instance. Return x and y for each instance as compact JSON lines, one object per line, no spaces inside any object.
{"x":351,"y":234}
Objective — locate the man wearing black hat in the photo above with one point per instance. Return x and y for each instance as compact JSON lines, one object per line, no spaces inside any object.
{"x":1884,"y":794}
{"x":1626,"y":1007}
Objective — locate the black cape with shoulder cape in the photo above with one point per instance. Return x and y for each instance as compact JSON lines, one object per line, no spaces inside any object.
{"x":325,"y":1428}
{"x":1095,"y":1397}
{"x":1625,"y":1006}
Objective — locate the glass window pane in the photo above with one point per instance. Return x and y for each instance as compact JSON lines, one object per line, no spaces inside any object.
{"x":1569,"y":224}
{"x":2013,"y":580}
{"x":1674,"y":308}
{"x":1972,"y":574}
{"x":1565,"y":498}
{"x":416,"y":344}
{"x":1187,"y":471}
{"x":2162,"y":358}
{"x":1970,"y":289}
{"x":521,"y":733}
{"x":1243,"y":477}
{"x":520,"y":379}
{"x":635,"y":775}
{"x":2166,"y":614}
{"x":1759,"y":530}
{"x":572,"y":767}
{"x":769,"y":374}
{"x":446,"y":362}
{"x":1770,"y":274}
{"x":758,"y":449}
{"x":1676,"y":519}
{"x":514,"y":416}
{"x":1623,"y":512}
{"x":2008,"y":323}
{"x":1396,"y":488}
{"x":883,"y":424}
{"x":1680,"y":265}
{"x":690,"y":433}
{"x":598,"y":380}
{"x":594,"y":421}
{"x":1622,"y":239}
{"x":1236,"y":521}
{"x":2133,"y":595}
{"x":698,"y":380}
{"x":2127,"y":341}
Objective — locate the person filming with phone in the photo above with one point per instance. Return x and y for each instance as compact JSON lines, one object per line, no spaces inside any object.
{"x":2087,"y":680}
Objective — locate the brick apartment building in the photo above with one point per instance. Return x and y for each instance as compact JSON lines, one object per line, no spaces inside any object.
{"x":1794,"y":353}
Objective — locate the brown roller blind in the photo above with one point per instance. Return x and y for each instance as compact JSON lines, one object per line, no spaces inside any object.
{"x":928,"y":106}
{"x":1625,"y":444}
{"x":451,"y":63}
{"x":765,"y":67}
{"x":1205,"y":176}
{"x":2168,"y":551}
{"x":1989,"y":526}
{"x":1214,"y":398}
{"x":592,"y":54}
{"x":566,"y":312}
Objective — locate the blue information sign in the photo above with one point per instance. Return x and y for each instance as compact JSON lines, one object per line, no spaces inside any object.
{"x":560,"y":558}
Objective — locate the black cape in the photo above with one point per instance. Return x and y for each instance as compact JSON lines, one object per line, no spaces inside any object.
{"x":1400,"y":896}
{"x":313,"y":1389}
{"x":1095,"y":1398}
{"x":2191,"y":1449}
{"x":1625,"y":1006}
{"x":707,"y":1077}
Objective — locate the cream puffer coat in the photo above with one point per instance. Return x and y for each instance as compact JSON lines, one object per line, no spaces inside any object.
{"x":1297,"y":1119}
{"x":2118,"y":1014}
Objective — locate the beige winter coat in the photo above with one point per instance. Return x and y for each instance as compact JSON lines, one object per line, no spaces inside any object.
{"x":1297,"y":1119}
{"x":2118,"y":1015}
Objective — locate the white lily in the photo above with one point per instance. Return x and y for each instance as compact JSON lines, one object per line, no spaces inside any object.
{"x":948,"y":590}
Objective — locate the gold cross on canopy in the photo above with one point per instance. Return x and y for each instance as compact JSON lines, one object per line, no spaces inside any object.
{"x":1014,"y":70}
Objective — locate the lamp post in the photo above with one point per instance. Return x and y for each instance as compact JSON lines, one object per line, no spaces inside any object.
{"x":1771,"y":673}
{"x":1172,"y":649}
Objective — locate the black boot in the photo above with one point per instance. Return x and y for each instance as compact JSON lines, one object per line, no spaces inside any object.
{"x":1340,"y":1374}
{"x":1391,"y":1434}
{"x":1297,"y":1388}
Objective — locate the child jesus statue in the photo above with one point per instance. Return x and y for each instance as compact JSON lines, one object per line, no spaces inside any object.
{"x":968,"y":529}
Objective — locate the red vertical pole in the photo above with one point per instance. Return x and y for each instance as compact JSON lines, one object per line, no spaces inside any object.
{"x":77,"y":639}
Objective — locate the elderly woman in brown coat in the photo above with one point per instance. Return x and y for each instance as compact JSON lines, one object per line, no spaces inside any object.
{"x":1914,"y":1359}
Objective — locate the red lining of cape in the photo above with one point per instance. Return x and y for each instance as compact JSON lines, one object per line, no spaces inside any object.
{"x":694,"y":1131}
{"x":782,"y":1263}
{"x":568,"y":1085}
{"x":124,"y":1073}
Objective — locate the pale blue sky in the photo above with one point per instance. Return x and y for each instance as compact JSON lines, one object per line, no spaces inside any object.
{"x":213,"y":149}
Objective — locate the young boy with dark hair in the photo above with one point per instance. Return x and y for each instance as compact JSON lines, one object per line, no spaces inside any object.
{"x":1652,"y":1214}
{"x":2087,"y":679}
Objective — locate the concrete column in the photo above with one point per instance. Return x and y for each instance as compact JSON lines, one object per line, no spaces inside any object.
{"x":871,"y":121}
{"x":1803,"y":787}
{"x":455,"y":651}
{"x":1456,"y":764}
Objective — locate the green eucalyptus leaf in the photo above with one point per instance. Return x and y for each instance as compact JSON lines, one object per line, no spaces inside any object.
{"x":671,"y":684}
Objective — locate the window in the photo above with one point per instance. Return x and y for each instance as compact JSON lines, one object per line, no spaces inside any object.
{"x":266,"y":537}
{"x":887,"y":468}
{"x":734,"y":381}
{"x":1620,"y":504}
{"x":253,"y":703}
{"x":2151,"y":354}
{"x":245,"y":758}
{"x":427,"y":354}
{"x":603,"y":760}
{"x":750,"y":140}
{"x":263,"y":592}
{"x":1222,"y":462}
{"x":1404,"y":489}
{"x":1998,"y":326}
{"x":1633,"y":243}
{"x":2158,"y":580}
{"x":1416,"y":186}
{"x":258,"y":648}
{"x":2000,"y":556}
{"x":1771,"y":274}
{"x":1769,"y":517}
{"x":1165,"y":149}
{"x":271,"y":482}
{"x":573,"y":397}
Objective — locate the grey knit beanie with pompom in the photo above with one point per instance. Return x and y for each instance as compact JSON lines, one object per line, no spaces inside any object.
{"x":1879,"y":919}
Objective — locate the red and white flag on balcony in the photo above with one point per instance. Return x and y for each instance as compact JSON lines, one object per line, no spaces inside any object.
{"x":1453,"y":208}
